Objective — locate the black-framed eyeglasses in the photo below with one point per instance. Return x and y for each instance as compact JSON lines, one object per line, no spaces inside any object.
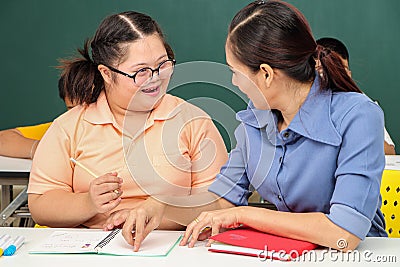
{"x":164,"y":71}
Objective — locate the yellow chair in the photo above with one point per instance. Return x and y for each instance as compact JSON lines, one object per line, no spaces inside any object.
{"x":390,"y":191}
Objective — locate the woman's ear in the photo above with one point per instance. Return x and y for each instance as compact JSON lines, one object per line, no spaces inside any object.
{"x":268,"y":73}
{"x":105,"y":73}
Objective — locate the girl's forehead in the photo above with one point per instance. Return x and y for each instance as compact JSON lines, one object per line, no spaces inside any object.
{"x":146,"y":50}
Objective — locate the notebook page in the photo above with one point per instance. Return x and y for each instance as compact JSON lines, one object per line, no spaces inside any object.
{"x":70,"y":242}
{"x":156,"y":244}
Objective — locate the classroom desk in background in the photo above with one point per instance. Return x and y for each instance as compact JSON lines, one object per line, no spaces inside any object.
{"x":371,"y":250}
{"x":392,"y":162}
{"x":13,"y":171}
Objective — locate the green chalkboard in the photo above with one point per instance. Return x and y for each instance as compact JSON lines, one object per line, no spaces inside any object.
{"x":34,"y":34}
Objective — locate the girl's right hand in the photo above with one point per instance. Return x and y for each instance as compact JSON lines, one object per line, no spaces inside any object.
{"x":105,"y":192}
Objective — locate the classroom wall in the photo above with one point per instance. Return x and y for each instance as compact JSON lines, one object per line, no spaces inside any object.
{"x":34,"y":34}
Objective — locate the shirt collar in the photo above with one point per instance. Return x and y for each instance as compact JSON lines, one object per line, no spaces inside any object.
{"x":313,"y":120}
{"x":167,"y":109}
{"x":99,"y":112}
{"x":255,"y":117}
{"x":260,"y":119}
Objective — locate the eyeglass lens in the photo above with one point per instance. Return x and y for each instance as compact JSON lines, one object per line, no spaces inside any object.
{"x":164,"y":71}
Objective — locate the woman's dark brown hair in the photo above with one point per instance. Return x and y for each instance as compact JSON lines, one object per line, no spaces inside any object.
{"x":276,"y":33}
{"x":108,"y":47}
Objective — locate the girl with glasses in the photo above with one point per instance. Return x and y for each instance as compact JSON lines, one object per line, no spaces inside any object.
{"x":129,"y":145}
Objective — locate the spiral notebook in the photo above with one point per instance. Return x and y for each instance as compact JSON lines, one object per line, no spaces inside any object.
{"x":156,"y":244}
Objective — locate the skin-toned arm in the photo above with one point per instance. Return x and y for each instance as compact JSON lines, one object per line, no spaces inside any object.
{"x":45,"y":208}
{"x":14,"y":144}
{"x":314,"y":227}
{"x":389,"y":149}
{"x":186,"y":215}
{"x":76,"y":208}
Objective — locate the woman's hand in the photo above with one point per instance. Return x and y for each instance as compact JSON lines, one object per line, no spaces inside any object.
{"x":140,"y":221}
{"x":105,"y":191}
{"x":218,"y":220}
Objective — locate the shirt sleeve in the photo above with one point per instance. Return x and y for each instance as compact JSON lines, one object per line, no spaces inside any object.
{"x":359,"y":170}
{"x":232,"y":182}
{"x":51,"y":168}
{"x":208,"y":154}
{"x":388,"y":139}
{"x":34,"y":132}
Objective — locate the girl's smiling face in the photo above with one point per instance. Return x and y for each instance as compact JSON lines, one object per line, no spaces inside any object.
{"x":123,"y":92}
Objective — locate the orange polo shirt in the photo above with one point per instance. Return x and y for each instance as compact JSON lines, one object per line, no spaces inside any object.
{"x":177,"y":153}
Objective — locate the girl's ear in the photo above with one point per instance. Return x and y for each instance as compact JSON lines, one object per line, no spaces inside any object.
{"x":268,"y":73}
{"x":105,"y":73}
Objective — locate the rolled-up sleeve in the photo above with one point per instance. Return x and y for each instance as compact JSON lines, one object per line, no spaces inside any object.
{"x":232,"y":182}
{"x":360,"y":165}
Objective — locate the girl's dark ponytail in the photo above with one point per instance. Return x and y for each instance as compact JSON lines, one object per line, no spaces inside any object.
{"x":83,"y":83}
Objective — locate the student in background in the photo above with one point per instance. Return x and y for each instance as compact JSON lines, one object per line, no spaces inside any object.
{"x":139,"y":143}
{"x":337,"y":46}
{"x":310,"y":145}
{"x":21,"y":142}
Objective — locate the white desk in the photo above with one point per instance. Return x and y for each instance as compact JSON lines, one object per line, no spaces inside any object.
{"x":13,"y":171}
{"x":392,"y":162}
{"x":371,"y":248}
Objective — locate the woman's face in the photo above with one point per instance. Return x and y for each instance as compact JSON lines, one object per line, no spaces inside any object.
{"x":148,"y":52}
{"x":247,"y":81}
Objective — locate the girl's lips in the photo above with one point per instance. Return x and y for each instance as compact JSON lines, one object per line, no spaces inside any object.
{"x":152,"y":91}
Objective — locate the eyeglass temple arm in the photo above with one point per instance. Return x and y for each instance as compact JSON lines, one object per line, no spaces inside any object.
{"x":118,"y":71}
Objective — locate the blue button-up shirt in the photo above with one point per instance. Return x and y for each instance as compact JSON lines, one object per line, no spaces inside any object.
{"x":330,"y":159}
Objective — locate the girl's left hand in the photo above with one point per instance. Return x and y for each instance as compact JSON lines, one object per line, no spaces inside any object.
{"x":217,"y":220}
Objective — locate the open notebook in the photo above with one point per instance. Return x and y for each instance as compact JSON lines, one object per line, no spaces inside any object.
{"x":156,"y":244}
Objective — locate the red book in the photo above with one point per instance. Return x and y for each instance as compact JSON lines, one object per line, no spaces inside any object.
{"x":254,"y":243}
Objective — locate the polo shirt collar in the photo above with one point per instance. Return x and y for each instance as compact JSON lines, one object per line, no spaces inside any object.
{"x":315,"y":112}
{"x":168,"y":108}
{"x":99,"y":112}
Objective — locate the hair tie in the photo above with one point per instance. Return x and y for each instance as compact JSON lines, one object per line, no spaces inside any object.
{"x":322,"y":51}
{"x":260,"y":2}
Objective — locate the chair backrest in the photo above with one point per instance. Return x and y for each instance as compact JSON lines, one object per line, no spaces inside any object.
{"x":390,"y":191}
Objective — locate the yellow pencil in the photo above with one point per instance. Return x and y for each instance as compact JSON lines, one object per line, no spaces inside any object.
{"x":83,"y":167}
{"x":116,"y":191}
